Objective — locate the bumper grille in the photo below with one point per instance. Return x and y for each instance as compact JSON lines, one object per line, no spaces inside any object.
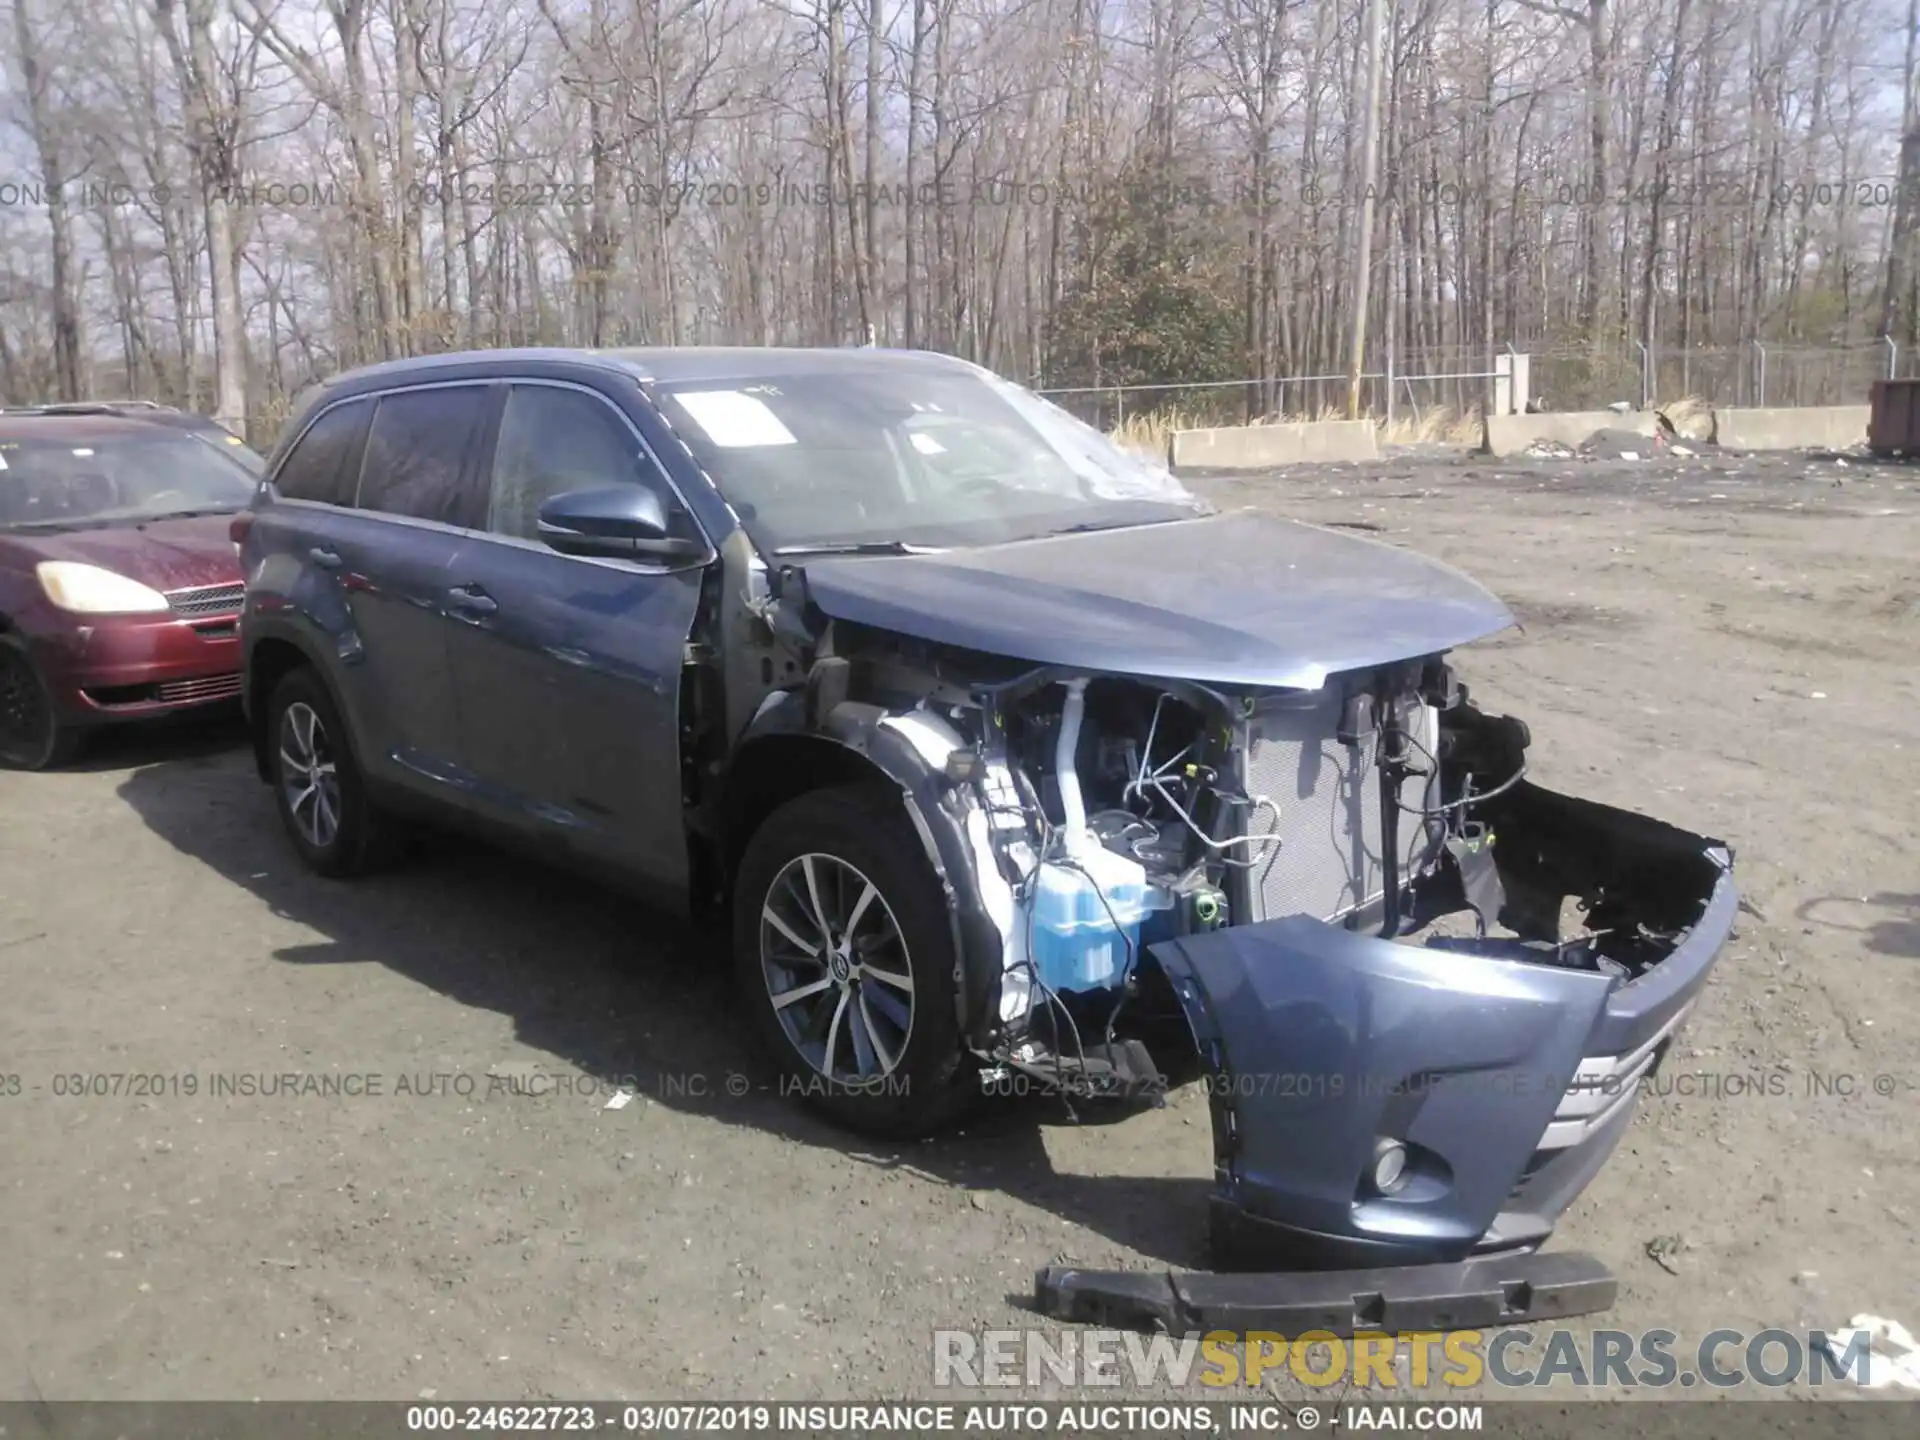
{"x":206,"y":687}
{"x":1603,"y":1086}
{"x":208,"y":599}
{"x":1328,"y":863}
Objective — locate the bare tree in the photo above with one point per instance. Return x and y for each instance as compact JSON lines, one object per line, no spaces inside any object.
{"x":1899,"y":305}
{"x":212,"y":129}
{"x":1102,"y":191}
{"x":351,"y":102}
{"x":50,"y":143}
{"x":1369,"y":175}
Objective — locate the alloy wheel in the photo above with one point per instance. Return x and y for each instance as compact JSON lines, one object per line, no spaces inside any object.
{"x":836,"y":969}
{"x":24,"y":716}
{"x":308,"y":777}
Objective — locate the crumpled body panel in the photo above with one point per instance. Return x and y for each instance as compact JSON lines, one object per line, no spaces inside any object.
{"x":1506,"y":1081}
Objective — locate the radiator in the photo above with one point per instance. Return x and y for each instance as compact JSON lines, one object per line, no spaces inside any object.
{"x":1327,"y":796}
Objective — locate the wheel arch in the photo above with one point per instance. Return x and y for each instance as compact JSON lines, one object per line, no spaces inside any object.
{"x":773,"y":769}
{"x":780,"y":759}
{"x":270,"y":660}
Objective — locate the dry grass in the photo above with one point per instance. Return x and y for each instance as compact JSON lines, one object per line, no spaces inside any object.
{"x":1436,"y":425}
{"x":1147,"y":431}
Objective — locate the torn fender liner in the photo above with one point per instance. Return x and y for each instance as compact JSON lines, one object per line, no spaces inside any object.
{"x":1474,"y":1294}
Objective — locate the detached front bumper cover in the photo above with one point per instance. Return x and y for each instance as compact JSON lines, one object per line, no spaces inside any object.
{"x":1506,"y":1081}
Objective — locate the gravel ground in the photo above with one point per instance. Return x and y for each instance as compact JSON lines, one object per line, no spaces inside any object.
{"x":1724,"y":643}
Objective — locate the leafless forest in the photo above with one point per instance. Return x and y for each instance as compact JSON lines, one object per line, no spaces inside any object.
{"x":213,"y":201}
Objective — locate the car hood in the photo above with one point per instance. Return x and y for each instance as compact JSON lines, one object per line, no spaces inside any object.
{"x":1236,"y":599}
{"x":165,"y":554}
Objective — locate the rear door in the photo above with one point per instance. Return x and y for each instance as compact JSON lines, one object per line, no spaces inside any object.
{"x":420,"y":490}
{"x":568,"y":668}
{"x":288,"y":589}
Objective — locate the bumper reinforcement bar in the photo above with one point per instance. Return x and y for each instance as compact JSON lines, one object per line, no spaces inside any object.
{"x":1470,"y":1294}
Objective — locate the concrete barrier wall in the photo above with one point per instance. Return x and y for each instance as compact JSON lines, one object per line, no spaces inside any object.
{"x":1511,"y":434}
{"x":1261,"y":447}
{"x":1803,"y":427}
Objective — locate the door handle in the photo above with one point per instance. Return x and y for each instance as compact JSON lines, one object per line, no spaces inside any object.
{"x":471,"y":600}
{"x":325,"y":559}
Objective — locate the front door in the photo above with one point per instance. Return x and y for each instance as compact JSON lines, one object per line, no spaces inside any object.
{"x":568,"y":669}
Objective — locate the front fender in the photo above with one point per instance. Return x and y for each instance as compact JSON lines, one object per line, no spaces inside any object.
{"x":910,"y":749}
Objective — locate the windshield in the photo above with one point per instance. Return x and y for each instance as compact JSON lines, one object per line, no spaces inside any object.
{"x":235,"y":449}
{"x":65,"y":483}
{"x":866,"y":456}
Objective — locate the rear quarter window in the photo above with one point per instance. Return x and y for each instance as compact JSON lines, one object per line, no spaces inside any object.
{"x":324,"y":464}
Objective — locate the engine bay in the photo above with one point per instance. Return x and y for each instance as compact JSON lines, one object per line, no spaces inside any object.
{"x":1119,"y":814}
{"x":1087,"y":818}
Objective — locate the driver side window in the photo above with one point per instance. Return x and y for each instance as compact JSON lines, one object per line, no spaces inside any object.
{"x":553,"y":440}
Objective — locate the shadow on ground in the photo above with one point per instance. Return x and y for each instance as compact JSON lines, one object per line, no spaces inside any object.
{"x":1889,"y":926}
{"x":607,"y":987}
{"x":187,"y":735}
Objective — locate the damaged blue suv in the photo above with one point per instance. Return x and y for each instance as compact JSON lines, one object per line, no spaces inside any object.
{"x":1003,"y":755}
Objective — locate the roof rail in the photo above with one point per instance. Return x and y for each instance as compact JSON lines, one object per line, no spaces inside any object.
{"x":88,"y":407}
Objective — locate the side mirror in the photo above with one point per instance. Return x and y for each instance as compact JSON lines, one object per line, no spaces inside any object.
{"x":621,"y":521}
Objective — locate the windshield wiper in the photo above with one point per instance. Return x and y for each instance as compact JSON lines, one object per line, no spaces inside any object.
{"x":107,"y":518}
{"x":190,"y":514}
{"x":858,"y":547}
{"x":1087,"y":527}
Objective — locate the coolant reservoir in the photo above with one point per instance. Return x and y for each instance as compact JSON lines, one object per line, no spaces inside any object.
{"x":1086,"y":919}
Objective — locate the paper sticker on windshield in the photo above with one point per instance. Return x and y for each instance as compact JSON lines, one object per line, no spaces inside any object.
{"x":926,"y":444}
{"x":735,"y":420}
{"x":3,"y":462}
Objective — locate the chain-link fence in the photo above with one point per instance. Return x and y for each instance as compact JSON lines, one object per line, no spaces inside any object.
{"x":1413,"y":384}
{"x":1421,"y":385}
{"x":1752,"y":374}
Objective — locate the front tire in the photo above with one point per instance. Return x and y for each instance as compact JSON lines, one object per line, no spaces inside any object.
{"x":31,"y":735}
{"x":318,"y":786}
{"x":844,"y":955}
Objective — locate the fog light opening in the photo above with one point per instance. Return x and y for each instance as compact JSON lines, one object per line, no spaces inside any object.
{"x":1389,"y":1173}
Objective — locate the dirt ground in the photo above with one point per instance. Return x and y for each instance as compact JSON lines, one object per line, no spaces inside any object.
{"x":1726,"y":644}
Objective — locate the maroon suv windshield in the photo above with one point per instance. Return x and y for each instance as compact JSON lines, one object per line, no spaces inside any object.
{"x":64,"y":483}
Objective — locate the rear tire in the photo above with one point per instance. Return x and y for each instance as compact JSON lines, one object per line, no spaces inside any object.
{"x":31,"y":735}
{"x":843,"y":954}
{"x":318,"y":786}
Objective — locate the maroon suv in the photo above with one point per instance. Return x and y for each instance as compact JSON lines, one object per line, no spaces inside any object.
{"x":119,"y":585}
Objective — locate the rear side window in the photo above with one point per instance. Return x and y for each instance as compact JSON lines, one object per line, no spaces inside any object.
{"x":324,"y":463}
{"x":553,"y":440}
{"x":417,"y":456}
